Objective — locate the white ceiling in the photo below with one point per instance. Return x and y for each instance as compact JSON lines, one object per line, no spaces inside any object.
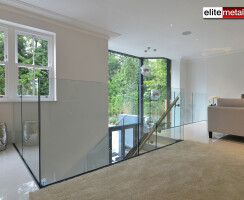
{"x":154,"y":23}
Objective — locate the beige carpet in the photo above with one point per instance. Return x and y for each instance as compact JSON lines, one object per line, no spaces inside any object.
{"x":186,"y":170}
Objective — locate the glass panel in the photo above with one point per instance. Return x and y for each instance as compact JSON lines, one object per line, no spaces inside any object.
{"x":96,"y":157}
{"x":17,"y":126}
{"x":151,"y":143}
{"x":2,"y":80}
{"x":123,"y":86}
{"x":188,"y":107}
{"x":116,"y":146}
{"x":44,"y":80}
{"x":25,"y":49}
{"x":163,"y":134}
{"x":129,"y":139}
{"x":169,"y":136}
{"x":30,"y":124}
{"x":155,"y":94}
{"x":26,"y":80}
{"x":155,"y":104}
{"x":86,"y":142}
{"x":199,"y":107}
{"x":74,"y":128}
{"x":41,"y":52}
{"x":1,"y":46}
{"x":177,"y":111}
{"x":158,"y":75}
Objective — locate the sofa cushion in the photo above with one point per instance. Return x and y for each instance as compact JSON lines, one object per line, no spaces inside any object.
{"x":224,"y":102}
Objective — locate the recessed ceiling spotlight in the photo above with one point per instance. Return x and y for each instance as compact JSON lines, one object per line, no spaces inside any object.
{"x":197,"y":39}
{"x":186,"y":33}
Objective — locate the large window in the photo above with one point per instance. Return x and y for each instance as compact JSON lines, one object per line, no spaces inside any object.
{"x":27,"y":58}
{"x":131,"y":100}
{"x":3,"y":60}
{"x":33,"y":64}
{"x":156,"y":80}
{"x":124,"y":96}
{"x":123,"y":85}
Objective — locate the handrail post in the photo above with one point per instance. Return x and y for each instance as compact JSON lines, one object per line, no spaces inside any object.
{"x":123,"y":140}
{"x":22,"y":122}
{"x":156,"y":140}
{"x":174,"y":110}
{"x":192,"y":96}
{"x":110,"y":146}
{"x":39,"y":127}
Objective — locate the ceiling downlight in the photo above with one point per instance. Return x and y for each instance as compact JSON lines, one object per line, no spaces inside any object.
{"x":186,"y":33}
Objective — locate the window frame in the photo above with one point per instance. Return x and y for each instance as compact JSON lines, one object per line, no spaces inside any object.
{"x":5,"y":61}
{"x":141,"y":83}
{"x":11,"y":70}
{"x":50,"y":66}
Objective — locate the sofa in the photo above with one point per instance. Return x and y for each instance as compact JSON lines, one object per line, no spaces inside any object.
{"x":226,"y":117}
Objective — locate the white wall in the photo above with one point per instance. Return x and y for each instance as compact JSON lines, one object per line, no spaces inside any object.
{"x":218,"y":76}
{"x":175,"y":73}
{"x":179,"y":72}
{"x":183,"y":74}
{"x":197,"y":76}
{"x":190,"y":77}
{"x":80,"y":56}
{"x":225,"y":75}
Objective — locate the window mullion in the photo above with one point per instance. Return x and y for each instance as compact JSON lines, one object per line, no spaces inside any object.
{"x":2,"y":63}
{"x":40,"y":67}
{"x":33,"y":46}
{"x":33,"y":84}
{"x":34,"y":70}
{"x":6,"y":61}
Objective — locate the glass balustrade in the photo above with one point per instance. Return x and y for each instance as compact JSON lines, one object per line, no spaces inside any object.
{"x":66,"y":132}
